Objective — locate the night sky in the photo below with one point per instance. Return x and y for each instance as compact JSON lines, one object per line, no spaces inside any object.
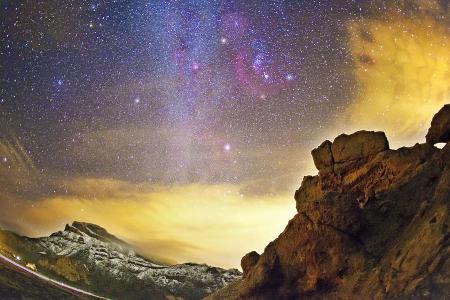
{"x":182,"y":124}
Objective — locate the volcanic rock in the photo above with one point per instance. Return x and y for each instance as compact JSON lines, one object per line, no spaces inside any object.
{"x":249,"y":260}
{"x":348,"y":150}
{"x":323,"y":158}
{"x":374,"y":224}
{"x":358,"y":145}
{"x":439,"y":131}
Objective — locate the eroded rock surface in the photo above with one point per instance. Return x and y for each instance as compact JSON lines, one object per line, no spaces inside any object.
{"x":439,"y":131}
{"x":323,"y":158}
{"x":358,"y":145}
{"x":374,"y":224}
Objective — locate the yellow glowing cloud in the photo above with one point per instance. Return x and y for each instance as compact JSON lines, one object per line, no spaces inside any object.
{"x":403,"y":71}
{"x":200,"y":223}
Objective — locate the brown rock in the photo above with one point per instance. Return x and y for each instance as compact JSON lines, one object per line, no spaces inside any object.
{"x":358,"y":145}
{"x":249,"y":261}
{"x":309,"y":191}
{"x":323,"y":159}
{"x":439,"y":131}
{"x":377,"y":230}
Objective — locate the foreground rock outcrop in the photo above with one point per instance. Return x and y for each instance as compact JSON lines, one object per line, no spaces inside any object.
{"x":439,"y":131}
{"x":374,"y":224}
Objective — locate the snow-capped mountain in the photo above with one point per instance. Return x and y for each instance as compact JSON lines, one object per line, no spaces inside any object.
{"x":87,"y":255}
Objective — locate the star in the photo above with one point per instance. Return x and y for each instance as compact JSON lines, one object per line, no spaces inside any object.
{"x":227,"y":147}
{"x":195,"y":66}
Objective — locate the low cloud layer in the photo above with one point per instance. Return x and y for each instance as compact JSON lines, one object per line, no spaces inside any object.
{"x":402,"y":66}
{"x":215,"y":224}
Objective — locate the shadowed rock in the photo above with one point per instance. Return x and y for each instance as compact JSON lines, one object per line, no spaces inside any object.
{"x":439,"y":131}
{"x":249,"y":260}
{"x":322,"y":157}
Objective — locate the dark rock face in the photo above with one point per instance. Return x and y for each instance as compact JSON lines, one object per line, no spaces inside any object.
{"x":249,"y":260}
{"x":95,"y":231}
{"x":323,"y":158}
{"x":374,"y":224}
{"x":439,"y":131}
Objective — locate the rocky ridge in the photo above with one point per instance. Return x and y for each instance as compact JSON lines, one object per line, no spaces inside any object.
{"x":87,"y":256}
{"x":373,"y":224}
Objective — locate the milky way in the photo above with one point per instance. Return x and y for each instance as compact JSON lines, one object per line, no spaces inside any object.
{"x":207,"y":95}
{"x":191,"y":76}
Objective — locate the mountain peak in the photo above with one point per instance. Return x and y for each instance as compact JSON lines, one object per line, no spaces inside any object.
{"x":87,"y":255}
{"x":94,"y":231}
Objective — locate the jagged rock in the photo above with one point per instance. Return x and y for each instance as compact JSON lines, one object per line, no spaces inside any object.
{"x":248,"y":261}
{"x":439,"y":131}
{"x":309,"y":191}
{"x":347,"y":151}
{"x":95,"y":231}
{"x":358,"y":145}
{"x":376,"y":227}
{"x":323,"y":159}
{"x":72,"y":229}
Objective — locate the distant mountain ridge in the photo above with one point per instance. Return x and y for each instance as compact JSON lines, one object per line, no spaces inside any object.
{"x":89,"y":257}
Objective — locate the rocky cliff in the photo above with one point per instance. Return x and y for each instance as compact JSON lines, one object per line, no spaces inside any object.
{"x":373,"y":224}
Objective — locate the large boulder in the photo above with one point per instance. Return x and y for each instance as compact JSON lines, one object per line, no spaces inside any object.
{"x":347,"y":149}
{"x":322,"y":157}
{"x":439,"y":131}
{"x":249,"y":261}
{"x":358,"y":145}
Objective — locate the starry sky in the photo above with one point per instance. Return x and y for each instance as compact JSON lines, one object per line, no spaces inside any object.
{"x":185,"y":126}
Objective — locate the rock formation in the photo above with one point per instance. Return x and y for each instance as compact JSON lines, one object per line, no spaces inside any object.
{"x":374,"y":224}
{"x":439,"y":131}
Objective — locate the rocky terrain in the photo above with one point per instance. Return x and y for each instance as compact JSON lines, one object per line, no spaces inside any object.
{"x":373,"y":224}
{"x":16,"y":284}
{"x":87,"y":256}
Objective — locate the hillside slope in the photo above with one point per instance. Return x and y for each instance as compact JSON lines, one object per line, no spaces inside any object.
{"x":373,"y":224}
{"x":87,"y":256}
{"x":17,"y":283}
